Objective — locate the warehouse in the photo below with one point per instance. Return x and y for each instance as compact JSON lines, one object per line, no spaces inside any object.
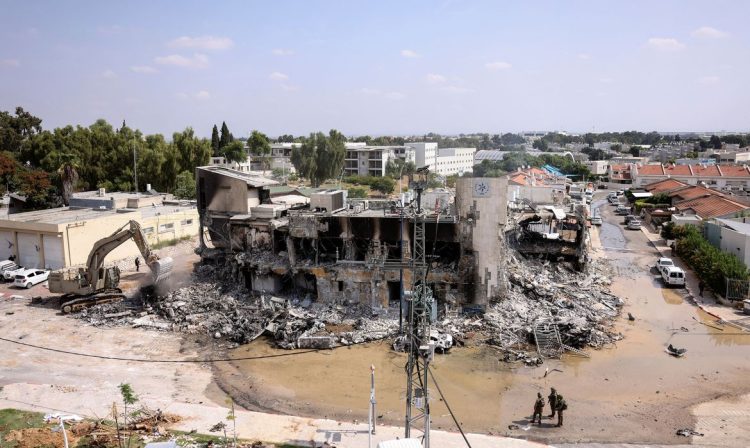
{"x":62,"y":237}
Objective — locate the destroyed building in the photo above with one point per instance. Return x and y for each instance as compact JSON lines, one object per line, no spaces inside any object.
{"x":338,"y":250}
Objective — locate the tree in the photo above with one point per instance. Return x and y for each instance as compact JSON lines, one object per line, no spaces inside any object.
{"x":128,"y":398}
{"x":540,"y":144}
{"x":384,"y":185}
{"x":396,"y":168}
{"x":35,"y":184}
{"x":192,"y":151}
{"x":319,"y":157}
{"x":68,"y":172}
{"x":17,"y":130}
{"x":357,"y":192}
{"x":234,"y":152}
{"x":215,"y":141}
{"x":259,"y":146}
{"x":226,"y":136}
{"x":635,"y":151}
{"x":185,"y":186}
{"x":715,"y":142}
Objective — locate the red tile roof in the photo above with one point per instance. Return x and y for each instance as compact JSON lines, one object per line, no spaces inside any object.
{"x":711,"y":206}
{"x":694,"y":170}
{"x":692,"y":192}
{"x":663,"y":186}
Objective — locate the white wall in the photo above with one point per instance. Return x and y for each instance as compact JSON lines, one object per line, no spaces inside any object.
{"x":736,"y":243}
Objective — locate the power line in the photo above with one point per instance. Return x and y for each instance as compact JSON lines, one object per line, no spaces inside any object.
{"x":458,"y":425}
{"x":177,"y":361}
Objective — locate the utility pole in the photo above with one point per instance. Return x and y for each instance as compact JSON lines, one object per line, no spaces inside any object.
{"x":421,"y":304}
{"x":373,"y":414}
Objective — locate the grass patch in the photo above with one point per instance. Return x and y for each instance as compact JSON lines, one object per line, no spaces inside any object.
{"x":166,"y":243}
{"x":11,"y":419}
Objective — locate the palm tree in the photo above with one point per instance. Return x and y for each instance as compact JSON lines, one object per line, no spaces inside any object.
{"x":68,"y":174}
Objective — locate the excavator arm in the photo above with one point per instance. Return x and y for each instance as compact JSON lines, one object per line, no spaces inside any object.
{"x":159,"y":268}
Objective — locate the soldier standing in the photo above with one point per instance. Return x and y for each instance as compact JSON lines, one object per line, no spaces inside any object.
{"x":552,"y":401}
{"x":561,"y":406}
{"x":538,"y":408}
{"x":137,"y":264}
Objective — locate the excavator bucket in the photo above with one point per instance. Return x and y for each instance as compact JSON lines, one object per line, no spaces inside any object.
{"x":162,"y":269}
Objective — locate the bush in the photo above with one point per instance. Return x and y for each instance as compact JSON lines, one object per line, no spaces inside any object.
{"x":712,"y":265}
{"x":357,"y":192}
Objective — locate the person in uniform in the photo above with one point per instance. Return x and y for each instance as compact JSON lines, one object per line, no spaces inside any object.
{"x":552,"y":401}
{"x":561,"y":406}
{"x":538,"y":408}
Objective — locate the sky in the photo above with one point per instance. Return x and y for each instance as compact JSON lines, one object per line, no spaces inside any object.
{"x":379,"y":67}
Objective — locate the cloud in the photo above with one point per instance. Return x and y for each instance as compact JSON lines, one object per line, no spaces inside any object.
{"x":665,"y":44}
{"x":709,"y":80}
{"x":202,"y":42}
{"x":498,"y":65}
{"x":109,"y":74}
{"x":409,"y":54}
{"x":282,"y":52}
{"x":434,"y":78}
{"x":395,"y":96}
{"x":146,"y":69}
{"x":584,"y":56}
{"x":278,"y":76}
{"x":197,"y":61}
{"x":10,"y":63}
{"x":706,"y":32}
{"x":202,"y":95}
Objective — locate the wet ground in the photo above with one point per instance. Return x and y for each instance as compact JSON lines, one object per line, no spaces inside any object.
{"x":631,"y":392}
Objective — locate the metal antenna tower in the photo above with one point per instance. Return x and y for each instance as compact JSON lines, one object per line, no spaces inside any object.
{"x":420,"y":308}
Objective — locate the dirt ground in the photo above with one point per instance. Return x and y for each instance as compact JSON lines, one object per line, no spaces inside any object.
{"x":632,"y":392}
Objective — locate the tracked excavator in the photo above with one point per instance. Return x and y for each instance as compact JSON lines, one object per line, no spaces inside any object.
{"x":95,"y":284}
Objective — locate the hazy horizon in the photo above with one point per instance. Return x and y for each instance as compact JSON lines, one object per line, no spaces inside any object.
{"x":380,"y":68}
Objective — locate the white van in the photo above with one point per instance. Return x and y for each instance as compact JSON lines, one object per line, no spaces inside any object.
{"x":8,"y":265}
{"x":673,"y":276}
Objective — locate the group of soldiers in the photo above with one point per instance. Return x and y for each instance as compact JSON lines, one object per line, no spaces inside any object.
{"x":556,"y":403}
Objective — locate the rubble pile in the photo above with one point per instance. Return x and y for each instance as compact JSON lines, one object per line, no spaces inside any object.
{"x":578,"y":302}
{"x":538,"y":292}
{"x":204,"y":308}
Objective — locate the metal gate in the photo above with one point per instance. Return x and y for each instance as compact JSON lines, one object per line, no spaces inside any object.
{"x":737,"y":289}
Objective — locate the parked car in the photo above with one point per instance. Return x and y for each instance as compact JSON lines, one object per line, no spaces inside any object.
{"x":8,"y":265}
{"x":673,"y":276}
{"x":596,"y":220}
{"x":634,"y":224}
{"x":30,"y":277}
{"x":630,"y":218}
{"x":663,"y":262}
{"x":612,"y":195}
{"x":622,"y":210}
{"x":11,"y":275}
{"x":602,"y":186}
{"x":620,"y":192}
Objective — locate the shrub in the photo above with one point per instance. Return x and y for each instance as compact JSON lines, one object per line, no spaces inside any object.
{"x":357,"y":192}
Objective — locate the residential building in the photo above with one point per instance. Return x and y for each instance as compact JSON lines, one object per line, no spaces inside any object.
{"x":713,"y":176}
{"x":364,"y":160}
{"x":62,"y":237}
{"x":731,"y":236}
{"x":425,"y":154}
{"x":724,"y":156}
{"x":619,"y":173}
{"x":597,"y":167}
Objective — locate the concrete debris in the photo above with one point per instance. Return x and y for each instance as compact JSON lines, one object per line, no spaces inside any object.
{"x":537,"y":291}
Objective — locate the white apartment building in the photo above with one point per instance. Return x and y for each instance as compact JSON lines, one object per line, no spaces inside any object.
{"x":451,"y":161}
{"x":597,"y":167}
{"x":363,"y":160}
{"x":245,"y":167}
{"x":425,"y":154}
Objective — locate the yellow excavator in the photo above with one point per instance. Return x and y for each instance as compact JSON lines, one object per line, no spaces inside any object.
{"x":94,"y":284}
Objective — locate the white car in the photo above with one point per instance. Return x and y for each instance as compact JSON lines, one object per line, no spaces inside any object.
{"x":663,"y":262}
{"x":30,"y":277}
{"x":596,"y":220}
{"x":11,"y":274}
{"x":634,"y":224}
{"x":673,"y":276}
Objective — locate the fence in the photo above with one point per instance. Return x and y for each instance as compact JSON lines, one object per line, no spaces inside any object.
{"x":737,"y":289}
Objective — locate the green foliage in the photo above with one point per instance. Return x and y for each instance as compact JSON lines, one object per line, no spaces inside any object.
{"x":357,"y":192}
{"x":715,"y":142}
{"x":635,"y":151}
{"x":17,"y":129}
{"x":215,"y":141}
{"x":170,"y":242}
{"x":13,"y":419}
{"x":259,"y":146}
{"x":712,"y":265}
{"x":185,"y":188}
{"x":128,"y":395}
{"x":226,"y":136}
{"x":396,"y":168}
{"x":320,"y":157}
{"x":596,"y":154}
{"x":668,"y":231}
{"x":234,"y":152}
{"x":450,"y":181}
{"x":540,"y":144}
{"x":383,"y":185}
{"x":515,"y":160}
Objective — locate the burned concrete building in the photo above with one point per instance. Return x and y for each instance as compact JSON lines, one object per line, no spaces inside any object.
{"x":329,"y":248}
